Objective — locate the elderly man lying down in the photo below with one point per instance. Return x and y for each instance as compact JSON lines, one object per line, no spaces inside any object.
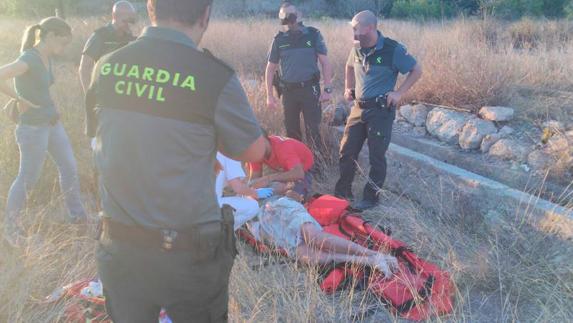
{"x":284,"y":222}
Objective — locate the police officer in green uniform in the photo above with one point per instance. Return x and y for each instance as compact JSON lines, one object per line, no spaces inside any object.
{"x":163,"y":108}
{"x":107,"y":39}
{"x":371,"y":73}
{"x":296,"y":53}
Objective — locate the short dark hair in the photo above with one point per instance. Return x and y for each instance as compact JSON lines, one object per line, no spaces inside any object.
{"x":186,"y":12}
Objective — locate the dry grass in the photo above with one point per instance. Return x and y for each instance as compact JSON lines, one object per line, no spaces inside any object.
{"x":508,"y":274}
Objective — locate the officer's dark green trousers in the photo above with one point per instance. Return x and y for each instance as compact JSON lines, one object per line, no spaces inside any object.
{"x":374,"y":124}
{"x":191,"y":286}
{"x":306,"y":101}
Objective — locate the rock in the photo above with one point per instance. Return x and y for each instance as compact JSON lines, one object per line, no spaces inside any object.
{"x":539,"y":160}
{"x":557,"y":144}
{"x":509,"y":150}
{"x":556,"y":154}
{"x":415,"y":114}
{"x":446,"y":124}
{"x":474,"y":131}
{"x":488,"y":141}
{"x":505,"y":131}
{"x":399,"y":116}
{"x":419,"y":132}
{"x":496,"y":113}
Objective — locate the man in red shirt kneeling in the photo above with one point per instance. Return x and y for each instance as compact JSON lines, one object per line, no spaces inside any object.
{"x":290,"y":161}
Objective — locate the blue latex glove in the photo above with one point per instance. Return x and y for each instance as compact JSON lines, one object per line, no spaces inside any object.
{"x":265,"y":192}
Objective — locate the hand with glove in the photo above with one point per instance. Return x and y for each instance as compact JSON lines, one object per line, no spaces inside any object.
{"x":264,"y":193}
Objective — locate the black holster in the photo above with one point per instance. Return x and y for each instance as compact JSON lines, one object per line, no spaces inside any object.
{"x":228,"y":223}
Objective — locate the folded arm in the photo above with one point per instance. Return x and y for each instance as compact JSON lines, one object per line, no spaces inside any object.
{"x":293,"y":175}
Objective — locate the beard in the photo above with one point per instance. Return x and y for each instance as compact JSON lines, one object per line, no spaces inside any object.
{"x":363,"y":40}
{"x":291,"y":19}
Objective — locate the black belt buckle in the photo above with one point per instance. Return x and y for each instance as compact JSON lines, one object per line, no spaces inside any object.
{"x":169,"y":237}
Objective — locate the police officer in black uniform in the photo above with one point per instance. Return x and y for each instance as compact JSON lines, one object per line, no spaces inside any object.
{"x":163,"y":108}
{"x":107,"y":39}
{"x":297,"y":51}
{"x":371,"y":73}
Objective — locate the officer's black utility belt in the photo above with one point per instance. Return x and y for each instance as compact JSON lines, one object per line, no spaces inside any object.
{"x":300,"y":85}
{"x":189,"y":239}
{"x":379,"y":102}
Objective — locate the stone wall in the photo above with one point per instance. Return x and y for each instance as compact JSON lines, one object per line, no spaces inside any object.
{"x":489,"y":133}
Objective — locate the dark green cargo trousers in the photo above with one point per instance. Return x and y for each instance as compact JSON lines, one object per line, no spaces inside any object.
{"x":191,"y":285}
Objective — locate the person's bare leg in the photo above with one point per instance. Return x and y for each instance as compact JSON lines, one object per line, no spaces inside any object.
{"x":323,"y":241}
{"x":312,"y":256}
{"x":332,"y":248}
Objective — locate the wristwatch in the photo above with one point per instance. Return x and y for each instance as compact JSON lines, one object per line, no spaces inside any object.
{"x":328,"y":89}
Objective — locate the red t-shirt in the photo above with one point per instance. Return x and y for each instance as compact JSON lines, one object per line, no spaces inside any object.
{"x":286,"y":153}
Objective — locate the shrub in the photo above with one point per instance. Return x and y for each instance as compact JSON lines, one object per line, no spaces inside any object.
{"x":514,"y":9}
{"x":569,"y":10}
{"x":422,"y":9}
{"x":525,"y":34}
{"x":554,"y":8}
